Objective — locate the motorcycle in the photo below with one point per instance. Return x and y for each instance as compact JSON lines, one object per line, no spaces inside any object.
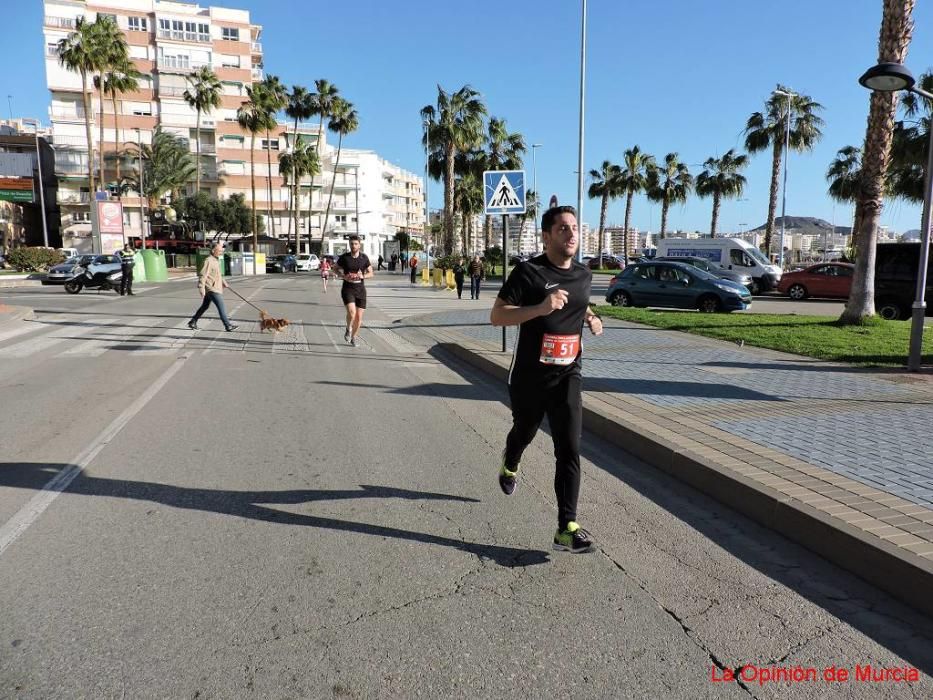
{"x":104,"y":280}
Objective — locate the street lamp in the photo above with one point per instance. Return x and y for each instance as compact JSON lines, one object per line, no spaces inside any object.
{"x":788,"y":95}
{"x":427,"y":218}
{"x":891,"y":77}
{"x":534,"y":176}
{"x":45,"y":228}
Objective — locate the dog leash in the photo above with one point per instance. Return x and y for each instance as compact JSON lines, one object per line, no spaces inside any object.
{"x":246,"y":300}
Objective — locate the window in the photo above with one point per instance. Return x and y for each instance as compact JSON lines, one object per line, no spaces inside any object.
{"x":341,"y":219}
{"x":843,"y":271}
{"x":195,"y":31}
{"x":266,"y":144}
{"x":229,"y":34}
{"x":738,"y":257}
{"x":138,"y":24}
{"x":646,"y":272}
{"x":51,"y":49}
{"x":104,"y":15}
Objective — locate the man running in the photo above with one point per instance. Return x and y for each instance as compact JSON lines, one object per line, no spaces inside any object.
{"x":548,"y":298}
{"x":353,"y":267}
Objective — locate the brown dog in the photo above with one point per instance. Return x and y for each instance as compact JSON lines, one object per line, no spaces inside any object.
{"x":266,"y":322}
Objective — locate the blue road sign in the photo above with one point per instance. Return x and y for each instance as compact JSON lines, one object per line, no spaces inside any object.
{"x":504,"y":191}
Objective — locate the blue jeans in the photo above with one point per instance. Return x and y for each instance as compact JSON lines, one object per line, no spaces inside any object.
{"x":474,"y":287}
{"x":218,"y":301}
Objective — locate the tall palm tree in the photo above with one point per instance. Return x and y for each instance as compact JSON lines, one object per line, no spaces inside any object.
{"x":844,"y":175}
{"x":300,"y":107}
{"x":634,"y":179}
{"x":455,"y":124}
{"x":769,"y":129}
{"x":167,"y":167}
{"x":906,"y":170}
{"x":672,"y":184}
{"x":119,"y":80}
{"x":293,"y":166}
{"x":721,"y":178}
{"x":532,"y":207}
{"x":322,"y":103}
{"x":113,"y":53}
{"x":273,"y":98}
{"x":605,"y":186}
{"x":252,"y":117}
{"x":468,"y":193}
{"x":80,"y":52}
{"x":896,"y":30}
{"x":344,"y":120}
{"x":503,"y":151}
{"x":204,"y":97}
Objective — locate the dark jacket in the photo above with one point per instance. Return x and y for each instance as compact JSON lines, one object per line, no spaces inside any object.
{"x":476,"y":268}
{"x":459,"y":271}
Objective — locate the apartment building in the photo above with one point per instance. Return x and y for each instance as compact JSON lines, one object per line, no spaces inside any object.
{"x":168,"y":39}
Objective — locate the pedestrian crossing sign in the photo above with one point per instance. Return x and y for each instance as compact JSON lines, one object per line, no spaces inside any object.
{"x":504,"y":191}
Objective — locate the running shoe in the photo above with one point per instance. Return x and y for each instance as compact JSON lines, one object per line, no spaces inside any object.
{"x":232,"y":327}
{"x":346,"y":336}
{"x":192,"y":325}
{"x":354,"y":343}
{"x":573,"y":539}
{"x":507,"y":480}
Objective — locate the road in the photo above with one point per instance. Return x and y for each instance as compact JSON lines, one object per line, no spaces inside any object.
{"x":245,"y":515}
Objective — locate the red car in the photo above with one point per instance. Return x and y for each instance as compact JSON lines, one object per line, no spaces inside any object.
{"x":824,"y":280}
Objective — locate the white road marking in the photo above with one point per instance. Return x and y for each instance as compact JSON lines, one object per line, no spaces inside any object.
{"x":95,"y":347}
{"x":30,"y":512}
{"x":59,"y":335}
{"x":330,"y":337}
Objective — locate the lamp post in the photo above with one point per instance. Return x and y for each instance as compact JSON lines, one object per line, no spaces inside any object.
{"x":142,"y":197}
{"x":892,"y":77}
{"x":45,"y":228}
{"x":580,"y":145}
{"x":427,"y":218}
{"x":534,"y":178}
{"x":788,"y":95}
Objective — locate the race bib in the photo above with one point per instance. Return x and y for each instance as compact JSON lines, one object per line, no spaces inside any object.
{"x":559,"y":349}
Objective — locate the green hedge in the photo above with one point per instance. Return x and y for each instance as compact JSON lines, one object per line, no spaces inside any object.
{"x":36,"y":259}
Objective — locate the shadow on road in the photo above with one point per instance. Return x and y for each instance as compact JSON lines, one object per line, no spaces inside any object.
{"x":254,"y":505}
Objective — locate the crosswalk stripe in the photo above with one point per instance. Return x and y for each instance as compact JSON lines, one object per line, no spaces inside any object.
{"x":44,"y":342}
{"x":95,"y":347}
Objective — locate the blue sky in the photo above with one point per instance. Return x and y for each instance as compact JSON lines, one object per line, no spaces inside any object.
{"x":677,"y":75}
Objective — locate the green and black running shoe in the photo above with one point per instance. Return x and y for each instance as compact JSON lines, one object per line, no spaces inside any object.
{"x":573,"y":539}
{"x":507,"y":480}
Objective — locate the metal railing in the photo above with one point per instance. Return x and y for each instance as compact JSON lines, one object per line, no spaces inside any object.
{"x":76,"y":141}
{"x":179,"y":35}
{"x":258,"y":74}
{"x":73,"y":197}
{"x":63,"y":22}
{"x":170,"y":91}
{"x":255,"y":47}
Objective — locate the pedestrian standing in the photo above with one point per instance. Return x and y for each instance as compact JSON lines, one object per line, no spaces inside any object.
{"x":127,"y":263}
{"x":353,"y":267}
{"x":380,"y":260}
{"x":211,"y":284}
{"x":393,"y":261}
{"x":413,"y":265}
{"x":477,"y":274}
{"x":459,"y":272}
{"x":548,"y":298}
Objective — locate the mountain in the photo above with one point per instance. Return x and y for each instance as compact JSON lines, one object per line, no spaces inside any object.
{"x":807,"y":225}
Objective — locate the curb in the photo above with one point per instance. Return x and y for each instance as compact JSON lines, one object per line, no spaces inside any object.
{"x":905,"y":576}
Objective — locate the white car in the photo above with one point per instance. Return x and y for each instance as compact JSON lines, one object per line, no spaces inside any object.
{"x":307,"y":262}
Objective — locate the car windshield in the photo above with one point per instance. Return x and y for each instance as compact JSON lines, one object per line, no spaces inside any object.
{"x":757,"y":254}
{"x":702,"y":274}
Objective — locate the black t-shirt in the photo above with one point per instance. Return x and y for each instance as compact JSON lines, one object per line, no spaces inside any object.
{"x":348,"y":263}
{"x":549,"y":346}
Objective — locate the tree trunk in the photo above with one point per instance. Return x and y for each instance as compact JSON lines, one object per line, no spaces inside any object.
{"x":197,"y":135}
{"x":604,"y":206}
{"x":269,"y":182}
{"x":628,"y":215}
{"x":772,"y":201}
{"x":487,"y":231}
{"x":116,"y":135}
{"x":333,"y":182}
{"x":896,"y":30}
{"x":100,"y":146}
{"x":317,"y":148}
{"x":449,"y":199}
{"x":665,"y":205}
{"x":252,"y":182}
{"x":717,"y":199}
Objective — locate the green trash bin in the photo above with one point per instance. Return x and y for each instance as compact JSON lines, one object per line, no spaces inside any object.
{"x":139,"y":268}
{"x":156,"y":270}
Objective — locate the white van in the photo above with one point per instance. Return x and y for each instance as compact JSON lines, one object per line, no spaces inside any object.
{"x":729,"y":253}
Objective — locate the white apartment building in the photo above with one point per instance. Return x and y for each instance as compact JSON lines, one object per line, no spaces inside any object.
{"x":168,"y":39}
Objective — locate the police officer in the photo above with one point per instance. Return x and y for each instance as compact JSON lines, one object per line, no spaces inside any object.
{"x":127,"y":261}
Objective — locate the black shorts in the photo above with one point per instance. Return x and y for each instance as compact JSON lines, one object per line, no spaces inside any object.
{"x":353,"y":294}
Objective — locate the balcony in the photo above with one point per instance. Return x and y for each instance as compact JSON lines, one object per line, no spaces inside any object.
{"x":206,"y":148}
{"x":169,"y":91}
{"x":255,"y":47}
{"x":73,"y":197}
{"x":71,"y":168}
{"x":60,"y":22}
{"x":258,"y":74}
{"x":181,"y":64}
{"x":67,"y":115}
{"x":60,"y":141}
{"x":178,"y":35}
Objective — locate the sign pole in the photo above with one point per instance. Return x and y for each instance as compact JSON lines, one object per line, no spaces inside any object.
{"x":505,"y":260}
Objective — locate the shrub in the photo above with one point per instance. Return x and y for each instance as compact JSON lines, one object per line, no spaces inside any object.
{"x":34,"y":259}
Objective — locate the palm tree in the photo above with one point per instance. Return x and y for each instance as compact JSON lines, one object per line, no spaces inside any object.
{"x":468,"y":195}
{"x":454,"y":125}
{"x":721,"y":178}
{"x":293,"y":166}
{"x":639,"y":167}
{"x":896,"y":30}
{"x":843,"y":175}
{"x":204,"y":97}
{"x":273,"y":97}
{"x":252,"y":117}
{"x":911,"y":138}
{"x":300,"y":107}
{"x":606,"y":186}
{"x":672,"y":184}
{"x":322,"y":103}
{"x":769,"y":129}
{"x":167,"y":167}
{"x":532,"y":207}
{"x":80,"y":52}
{"x":344,"y":120}
{"x":117,"y":81}
{"x":113,"y":53}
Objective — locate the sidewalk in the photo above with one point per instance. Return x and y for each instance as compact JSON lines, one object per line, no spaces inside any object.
{"x":839,"y":459}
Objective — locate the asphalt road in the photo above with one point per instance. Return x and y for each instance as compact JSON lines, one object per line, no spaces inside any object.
{"x":247,"y":515}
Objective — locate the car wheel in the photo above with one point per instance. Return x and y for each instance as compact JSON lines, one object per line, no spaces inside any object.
{"x":72,"y":287}
{"x":755,"y":288}
{"x":797,"y":292}
{"x":890,"y":310}
{"x":621,"y":298}
{"x":709,"y":304}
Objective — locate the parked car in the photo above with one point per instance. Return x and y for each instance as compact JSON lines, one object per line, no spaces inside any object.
{"x":704,"y":264}
{"x":281,"y":263}
{"x":678,"y":286}
{"x":610,"y":262}
{"x":61,"y":273}
{"x":832,"y":280}
{"x":896,"y":280}
{"x":306,"y":262}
